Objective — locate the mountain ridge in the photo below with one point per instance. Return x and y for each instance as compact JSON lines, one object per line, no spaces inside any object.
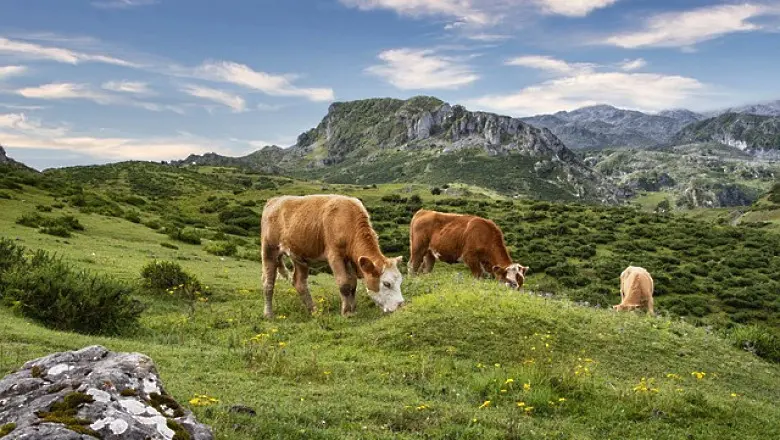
{"x":426,"y":140}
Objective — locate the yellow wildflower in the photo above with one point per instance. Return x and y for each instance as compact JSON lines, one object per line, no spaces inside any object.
{"x":561,"y":399}
{"x":503,"y":390}
{"x":528,"y":409}
{"x":527,"y":386}
{"x":521,"y":404}
{"x":699,"y":375}
{"x":485,"y":404}
{"x":282,"y":344}
{"x":508,"y":381}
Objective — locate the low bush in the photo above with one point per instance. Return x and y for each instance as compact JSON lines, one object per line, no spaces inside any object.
{"x":59,"y":226}
{"x":221,"y":248}
{"x":43,"y":208}
{"x":167,"y":277}
{"x":50,"y":291}
{"x":185,"y":235}
{"x":4,"y":195}
{"x":759,"y":340}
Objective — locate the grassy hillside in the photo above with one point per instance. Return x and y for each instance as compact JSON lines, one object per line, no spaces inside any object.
{"x":711,"y":274}
{"x":465,"y":359}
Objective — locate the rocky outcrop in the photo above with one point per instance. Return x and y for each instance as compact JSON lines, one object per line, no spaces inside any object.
{"x":93,"y":393}
{"x":3,"y":157}
{"x":758,"y":135}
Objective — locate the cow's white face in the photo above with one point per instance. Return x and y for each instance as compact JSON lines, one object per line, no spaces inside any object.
{"x":513,"y":275}
{"x":385,"y":287}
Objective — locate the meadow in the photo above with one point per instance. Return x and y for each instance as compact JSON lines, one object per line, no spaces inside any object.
{"x":465,"y":359}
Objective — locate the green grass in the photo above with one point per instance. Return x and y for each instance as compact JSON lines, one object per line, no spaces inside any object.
{"x":427,"y":369}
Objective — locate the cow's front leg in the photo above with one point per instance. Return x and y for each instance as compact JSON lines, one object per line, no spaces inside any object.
{"x":346,"y":279}
{"x":270,"y":262}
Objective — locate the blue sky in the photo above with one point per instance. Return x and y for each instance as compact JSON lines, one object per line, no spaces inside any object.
{"x":95,"y":81}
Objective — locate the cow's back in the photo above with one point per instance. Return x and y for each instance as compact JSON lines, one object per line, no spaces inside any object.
{"x":307,"y":226}
{"x":638,"y":285}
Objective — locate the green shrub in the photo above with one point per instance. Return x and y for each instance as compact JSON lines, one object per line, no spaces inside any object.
{"x":760,"y":340}
{"x":4,"y":195}
{"x":163,"y":275}
{"x":11,"y":255}
{"x":133,"y":216}
{"x":49,"y":291}
{"x":31,"y":220}
{"x":57,"y":231}
{"x":435,"y":191}
{"x":153,"y":224}
{"x":43,"y":208}
{"x":185,"y":235}
{"x":221,"y":248}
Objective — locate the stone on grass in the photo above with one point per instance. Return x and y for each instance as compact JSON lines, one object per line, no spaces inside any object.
{"x":93,"y":393}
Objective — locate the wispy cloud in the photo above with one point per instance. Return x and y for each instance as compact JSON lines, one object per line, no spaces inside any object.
{"x":686,"y":28}
{"x":551,"y":65}
{"x":235,"y":102}
{"x":130,"y":87}
{"x":270,"y":84}
{"x":415,"y":69}
{"x":631,"y":65}
{"x":480,"y":13}
{"x":34,"y":51}
{"x":18,"y":131}
{"x":72,"y":91}
{"x":573,"y":8}
{"x":9,"y":71}
{"x":122,"y":4}
{"x":580,"y":85}
{"x":460,"y":10}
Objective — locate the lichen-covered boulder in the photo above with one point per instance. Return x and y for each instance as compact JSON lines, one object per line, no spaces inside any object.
{"x":93,"y":393}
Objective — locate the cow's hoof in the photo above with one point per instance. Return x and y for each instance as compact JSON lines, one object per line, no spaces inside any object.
{"x":268,"y":315}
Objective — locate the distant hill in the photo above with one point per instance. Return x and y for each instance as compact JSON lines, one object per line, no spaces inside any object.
{"x":769,"y":108}
{"x":604,"y":126}
{"x":426,"y":140}
{"x":751,"y":133}
{"x":8,"y":162}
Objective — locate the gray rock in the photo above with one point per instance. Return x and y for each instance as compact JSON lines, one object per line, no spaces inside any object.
{"x":117,"y":395}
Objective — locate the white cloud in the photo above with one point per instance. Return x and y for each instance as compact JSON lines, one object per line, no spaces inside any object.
{"x":680,"y":29}
{"x":573,"y":8}
{"x":462,"y":10}
{"x":488,"y":38}
{"x":244,"y":76}
{"x":130,"y":87}
{"x":71,"y":91}
{"x":631,"y":65}
{"x":480,"y":13}
{"x":8,"y":71}
{"x":550,"y":64}
{"x":415,"y":69}
{"x":17,"y":131}
{"x":235,"y":102}
{"x":35,"y":51}
{"x":640,"y":91}
{"x":122,"y":4}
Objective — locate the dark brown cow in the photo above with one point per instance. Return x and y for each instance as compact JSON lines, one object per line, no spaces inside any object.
{"x":451,"y":238}
{"x":331,"y":228}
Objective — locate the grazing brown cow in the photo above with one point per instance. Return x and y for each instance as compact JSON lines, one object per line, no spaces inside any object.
{"x":331,"y":228}
{"x":636,"y":290}
{"x":452,"y":238}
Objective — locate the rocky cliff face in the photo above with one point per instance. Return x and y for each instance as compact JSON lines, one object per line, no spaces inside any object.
{"x":758,"y":135}
{"x":424,"y":139}
{"x":3,"y":157}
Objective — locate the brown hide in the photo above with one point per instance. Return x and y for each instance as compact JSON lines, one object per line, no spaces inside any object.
{"x":331,"y":228}
{"x":452,"y":238}
{"x":636,"y":290}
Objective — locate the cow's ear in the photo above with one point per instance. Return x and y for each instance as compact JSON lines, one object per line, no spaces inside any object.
{"x":367,"y":266}
{"x":523,"y":269}
{"x":398,"y":260}
{"x":498,"y":270}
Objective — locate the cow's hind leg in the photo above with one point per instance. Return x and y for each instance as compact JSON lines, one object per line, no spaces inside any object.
{"x":301,"y":283}
{"x":416,"y":255}
{"x":282,"y":269}
{"x":270,"y":256}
